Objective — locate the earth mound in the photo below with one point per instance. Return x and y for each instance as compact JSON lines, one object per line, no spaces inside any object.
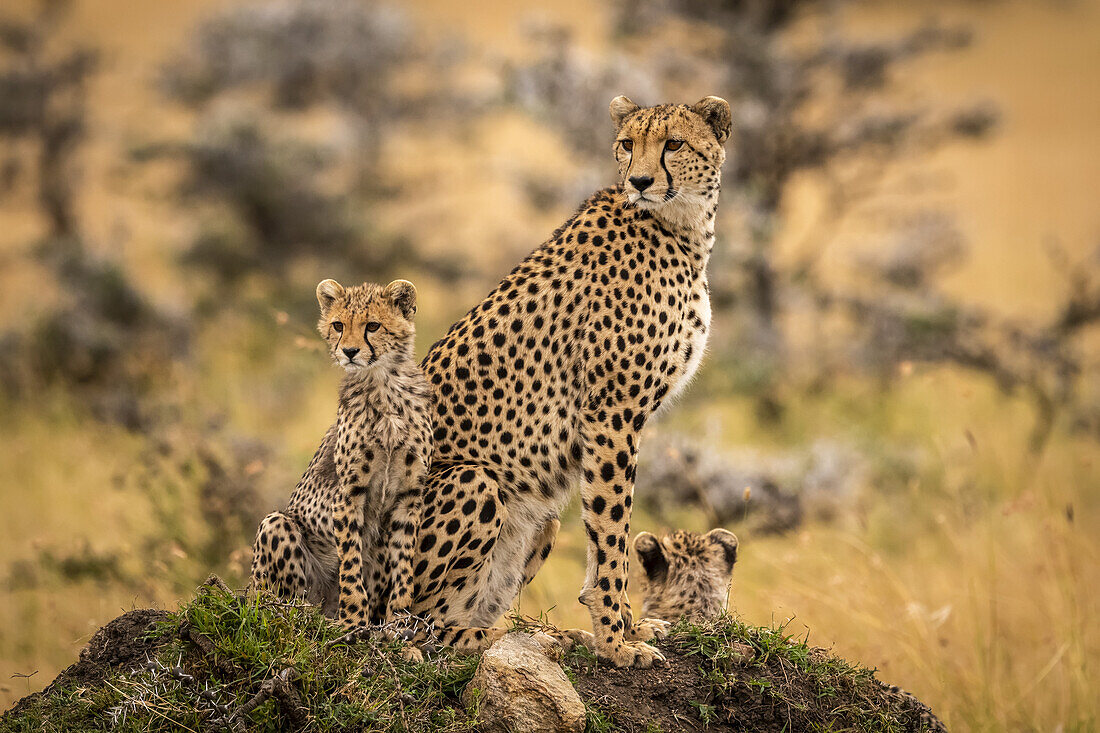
{"x":226,"y":662}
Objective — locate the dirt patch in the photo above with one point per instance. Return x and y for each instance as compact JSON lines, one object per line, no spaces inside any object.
{"x":122,"y":643}
{"x":638,"y":698}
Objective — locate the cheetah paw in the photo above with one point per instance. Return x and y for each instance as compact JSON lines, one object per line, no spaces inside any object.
{"x":570,"y":638}
{"x":649,"y":628}
{"x":633,"y":654}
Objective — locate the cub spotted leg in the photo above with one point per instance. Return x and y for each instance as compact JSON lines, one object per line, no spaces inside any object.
{"x":278,"y":557}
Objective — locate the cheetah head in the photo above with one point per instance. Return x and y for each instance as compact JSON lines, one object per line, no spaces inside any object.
{"x":686,"y":573}
{"x":367,"y":327}
{"x":670,"y":156}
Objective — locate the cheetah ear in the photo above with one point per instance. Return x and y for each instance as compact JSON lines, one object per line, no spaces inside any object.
{"x":403,"y":295}
{"x":328,"y":292}
{"x":715,"y":111}
{"x":648,"y":549}
{"x":726,"y":541}
{"x":621,"y":107}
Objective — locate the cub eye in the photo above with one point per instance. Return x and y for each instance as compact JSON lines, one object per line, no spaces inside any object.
{"x":674,"y":145}
{"x":628,"y":145}
{"x":337,"y":326}
{"x":373,"y":326}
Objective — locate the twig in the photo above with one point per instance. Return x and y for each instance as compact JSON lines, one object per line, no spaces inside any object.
{"x":213,"y":581}
{"x":280,"y":688}
{"x":206,"y":646}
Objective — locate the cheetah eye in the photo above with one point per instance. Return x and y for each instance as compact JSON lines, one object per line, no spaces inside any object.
{"x":338,"y":326}
{"x":674,"y":145}
{"x":373,"y":326}
{"x":628,"y":145}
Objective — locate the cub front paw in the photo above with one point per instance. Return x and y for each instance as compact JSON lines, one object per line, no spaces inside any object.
{"x":649,"y":628}
{"x":631,"y":654}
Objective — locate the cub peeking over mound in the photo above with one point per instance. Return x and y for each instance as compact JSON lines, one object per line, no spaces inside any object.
{"x":686,"y":573}
{"x":346,"y":538}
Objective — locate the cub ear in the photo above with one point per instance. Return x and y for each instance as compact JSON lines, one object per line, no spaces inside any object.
{"x":621,"y":107}
{"x":726,"y":542}
{"x":328,"y":292}
{"x":402,"y":294}
{"x":715,"y":111}
{"x":648,"y":549}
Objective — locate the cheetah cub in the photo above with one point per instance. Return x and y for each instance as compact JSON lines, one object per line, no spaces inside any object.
{"x":345,"y":540}
{"x":686,"y":573}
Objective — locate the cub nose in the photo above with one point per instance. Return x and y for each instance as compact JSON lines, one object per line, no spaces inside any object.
{"x":350,"y":352}
{"x":641,"y":182}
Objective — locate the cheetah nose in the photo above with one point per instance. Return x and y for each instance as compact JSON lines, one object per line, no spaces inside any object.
{"x":350,"y":352}
{"x":641,"y":182}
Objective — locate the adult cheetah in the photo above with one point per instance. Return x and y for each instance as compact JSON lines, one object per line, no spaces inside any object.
{"x":549,"y":381}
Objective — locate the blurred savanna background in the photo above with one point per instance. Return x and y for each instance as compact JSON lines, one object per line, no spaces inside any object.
{"x":900,"y":412}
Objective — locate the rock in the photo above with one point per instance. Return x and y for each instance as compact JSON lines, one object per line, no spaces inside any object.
{"x":521,"y":689}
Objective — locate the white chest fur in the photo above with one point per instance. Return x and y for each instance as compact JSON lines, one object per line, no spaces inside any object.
{"x":696,"y":330}
{"x":387,"y":430}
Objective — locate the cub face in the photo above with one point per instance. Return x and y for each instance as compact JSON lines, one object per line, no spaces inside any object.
{"x":686,"y":573}
{"x":670,"y":156}
{"x":367,"y":327}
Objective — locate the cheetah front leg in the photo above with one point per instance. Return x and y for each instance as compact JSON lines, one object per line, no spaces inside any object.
{"x":347,"y":524}
{"x":610,"y":459}
{"x":402,"y":530}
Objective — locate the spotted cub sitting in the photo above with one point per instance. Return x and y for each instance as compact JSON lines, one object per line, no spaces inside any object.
{"x":345,"y":540}
{"x":686,"y":573}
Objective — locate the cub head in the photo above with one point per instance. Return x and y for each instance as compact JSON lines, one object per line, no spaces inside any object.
{"x":670,"y":156}
{"x":368,"y":327}
{"x":686,"y":573}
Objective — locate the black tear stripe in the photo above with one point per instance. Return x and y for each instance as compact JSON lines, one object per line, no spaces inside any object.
{"x":668,"y":176}
{"x":373,"y":356}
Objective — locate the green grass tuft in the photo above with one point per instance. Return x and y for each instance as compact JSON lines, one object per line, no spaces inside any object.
{"x":727,"y":675}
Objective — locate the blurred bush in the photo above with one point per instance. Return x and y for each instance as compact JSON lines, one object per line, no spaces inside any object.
{"x":103,"y":338}
{"x":260,"y":78}
{"x":276,"y":210}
